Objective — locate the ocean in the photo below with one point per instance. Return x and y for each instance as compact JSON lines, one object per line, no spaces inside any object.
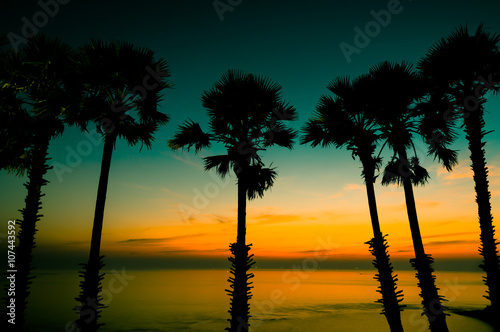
{"x":283,"y":300}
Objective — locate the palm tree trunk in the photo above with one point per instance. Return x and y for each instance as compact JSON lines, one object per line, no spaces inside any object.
{"x":422,"y":262}
{"x":372,"y":204}
{"x":242,"y":211}
{"x":240,"y":264}
{"x":27,"y":228}
{"x":89,"y":298}
{"x":390,"y":296}
{"x":474,"y":125}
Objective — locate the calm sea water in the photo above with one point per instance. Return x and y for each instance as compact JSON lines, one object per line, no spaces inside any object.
{"x":284,"y":300}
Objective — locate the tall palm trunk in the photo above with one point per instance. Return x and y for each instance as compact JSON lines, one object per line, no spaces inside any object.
{"x":240,"y":264}
{"x":242,"y":211}
{"x":27,"y":226}
{"x":474,"y":134}
{"x":378,"y":247}
{"x":422,"y":262}
{"x":89,"y":298}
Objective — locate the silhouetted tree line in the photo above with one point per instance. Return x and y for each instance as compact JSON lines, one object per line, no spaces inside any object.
{"x":116,"y":87}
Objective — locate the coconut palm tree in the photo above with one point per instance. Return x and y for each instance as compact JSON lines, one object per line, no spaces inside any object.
{"x":121,"y":87}
{"x":247,"y":115}
{"x":393,"y":92}
{"x":34,"y":99}
{"x":464,"y":66}
{"x":341,"y":122}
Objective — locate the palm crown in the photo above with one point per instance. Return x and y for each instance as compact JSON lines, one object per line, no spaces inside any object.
{"x":462,"y":60}
{"x":247,"y":115}
{"x":119,"y":98}
{"x":398,"y":101}
{"x":342,"y":121}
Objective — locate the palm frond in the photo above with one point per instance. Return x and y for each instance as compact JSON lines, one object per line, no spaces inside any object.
{"x":190,"y":135}
{"x":398,"y":170}
{"x":280,"y":136}
{"x":221,"y":163}
{"x":419,"y":176}
{"x":437,"y":128}
{"x":259,"y":179}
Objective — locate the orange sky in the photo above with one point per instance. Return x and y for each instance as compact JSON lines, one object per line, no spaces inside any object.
{"x":291,"y":221}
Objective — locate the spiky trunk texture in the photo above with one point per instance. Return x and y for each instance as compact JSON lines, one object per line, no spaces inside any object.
{"x":240,"y":291}
{"x":27,"y":226}
{"x":240,"y":264}
{"x":391,"y":296}
{"x":474,"y":125}
{"x":89,"y":298}
{"x":379,"y":249}
{"x":431,"y":301}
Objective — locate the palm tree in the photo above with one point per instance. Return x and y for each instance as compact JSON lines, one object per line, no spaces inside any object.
{"x":392,"y":92}
{"x":464,"y":67}
{"x":342,"y":122}
{"x":34,"y":99}
{"x":247,"y":115}
{"x":121,"y":87}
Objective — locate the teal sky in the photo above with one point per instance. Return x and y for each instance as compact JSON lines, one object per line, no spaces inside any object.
{"x":294,"y":43}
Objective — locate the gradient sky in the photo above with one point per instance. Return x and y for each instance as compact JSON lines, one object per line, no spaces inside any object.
{"x":162,"y":208}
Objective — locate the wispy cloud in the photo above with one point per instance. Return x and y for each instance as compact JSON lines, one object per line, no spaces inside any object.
{"x":464,"y":172}
{"x":173,"y":193}
{"x":275,"y":218}
{"x":185,"y":158}
{"x":352,"y":186}
{"x":439,"y":243}
{"x":184,"y":251}
{"x":159,"y":239}
{"x":450,"y":234}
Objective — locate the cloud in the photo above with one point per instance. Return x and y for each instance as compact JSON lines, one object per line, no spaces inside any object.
{"x":352,"y":186}
{"x":464,"y":172}
{"x":451,"y":234}
{"x":182,"y":251}
{"x":274,"y":218}
{"x":159,"y":239}
{"x":439,"y":243}
{"x":224,"y":220}
{"x":173,"y":193}
{"x":186,"y":160}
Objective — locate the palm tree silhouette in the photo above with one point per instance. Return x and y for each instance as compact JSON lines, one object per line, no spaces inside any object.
{"x":342,"y":122}
{"x":393,"y":90}
{"x":247,"y":115}
{"x":121,"y":86}
{"x":464,"y":67}
{"x":15,"y":140}
{"x":34,"y":90}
